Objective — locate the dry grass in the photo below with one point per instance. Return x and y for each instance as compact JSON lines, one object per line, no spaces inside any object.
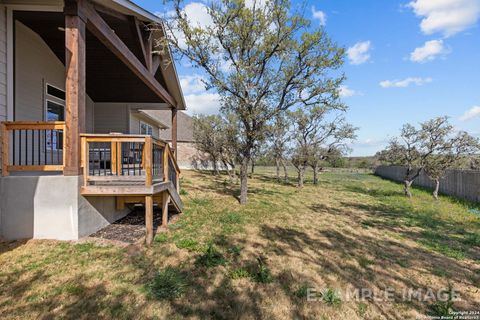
{"x":224,"y":261}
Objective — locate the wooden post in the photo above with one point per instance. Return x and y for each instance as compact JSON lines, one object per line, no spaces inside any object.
{"x":74,"y":86}
{"x":165,"y":163}
{"x":149,"y":220}
{"x":174,"y":133}
{"x":147,"y":152}
{"x":113,"y":157}
{"x":165,"y":202}
{"x":4,"y":133}
{"x":85,"y":160}
{"x":119,"y":158}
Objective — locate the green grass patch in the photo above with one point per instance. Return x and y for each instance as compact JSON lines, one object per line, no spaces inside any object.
{"x":188,"y":244}
{"x":331,"y":297}
{"x":239,"y":273}
{"x":169,"y":283}
{"x":211,"y":257}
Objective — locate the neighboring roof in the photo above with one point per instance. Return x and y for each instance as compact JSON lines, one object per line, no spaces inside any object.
{"x":184,"y":124}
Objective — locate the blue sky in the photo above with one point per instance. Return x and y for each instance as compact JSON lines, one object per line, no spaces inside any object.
{"x":408,"y":61}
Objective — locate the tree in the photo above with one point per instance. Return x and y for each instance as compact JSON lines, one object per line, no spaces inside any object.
{"x":416,"y":147}
{"x":449,"y":156}
{"x":279,"y":139}
{"x":215,"y":136}
{"x":208,"y":137}
{"x":315,"y":137}
{"x":262,"y":59}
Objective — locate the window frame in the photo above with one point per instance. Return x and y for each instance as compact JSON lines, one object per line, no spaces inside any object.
{"x":149,"y":126}
{"x":58,"y":145}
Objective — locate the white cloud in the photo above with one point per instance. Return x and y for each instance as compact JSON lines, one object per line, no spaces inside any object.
{"x":429,"y":51}
{"x":473,"y":112}
{"x":319,"y":15}
{"x":197,"y":15}
{"x":257,"y":3}
{"x":446,"y":16}
{"x":359,"y":54}
{"x":346,"y":92}
{"x":192,"y":83}
{"x":405,"y":82}
{"x":202,"y":103}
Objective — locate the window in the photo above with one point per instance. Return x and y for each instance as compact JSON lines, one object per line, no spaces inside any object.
{"x":55,"y":92}
{"x":145,"y":128}
{"x":54,"y":111}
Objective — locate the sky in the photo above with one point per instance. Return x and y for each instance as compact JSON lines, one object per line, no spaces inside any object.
{"x":407,"y":62}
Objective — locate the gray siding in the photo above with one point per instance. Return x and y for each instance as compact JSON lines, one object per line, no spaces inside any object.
{"x":111,"y":117}
{"x":135,"y":119}
{"x":3,"y":64}
{"x":35,"y":65}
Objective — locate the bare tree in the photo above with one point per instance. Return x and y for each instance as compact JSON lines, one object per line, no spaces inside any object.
{"x":314,"y":135}
{"x":416,"y":147}
{"x":207,"y":133}
{"x":279,"y":139}
{"x":262,"y":59}
{"x":450,"y":155}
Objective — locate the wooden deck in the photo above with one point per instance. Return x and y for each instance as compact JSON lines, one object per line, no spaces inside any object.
{"x":132,"y":168}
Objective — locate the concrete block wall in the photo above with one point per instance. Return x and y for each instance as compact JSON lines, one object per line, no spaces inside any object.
{"x":51,"y":207}
{"x":463,"y":184}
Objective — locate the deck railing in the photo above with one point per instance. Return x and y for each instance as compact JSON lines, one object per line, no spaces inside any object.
{"x":115,"y":159}
{"x":32,"y":146}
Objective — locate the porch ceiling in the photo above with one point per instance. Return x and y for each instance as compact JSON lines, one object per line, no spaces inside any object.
{"x":108,"y":79}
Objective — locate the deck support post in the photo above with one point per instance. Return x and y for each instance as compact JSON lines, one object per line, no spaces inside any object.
{"x":174,"y":133}
{"x":149,"y":220}
{"x":165,"y":202}
{"x":74,"y":86}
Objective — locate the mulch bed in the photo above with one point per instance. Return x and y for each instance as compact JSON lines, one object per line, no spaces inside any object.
{"x":131,"y":228}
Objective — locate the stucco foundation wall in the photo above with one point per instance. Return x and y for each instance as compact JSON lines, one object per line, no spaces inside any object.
{"x":51,"y":207}
{"x":464,"y":184}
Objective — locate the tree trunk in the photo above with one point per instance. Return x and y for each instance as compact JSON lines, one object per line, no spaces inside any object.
{"x":437,"y":187}
{"x":301,"y":174}
{"x":243,"y":181}
{"x":229,"y":172}
{"x":215,"y":167}
{"x":277,"y":167}
{"x":406,"y":188}
{"x":315,"y":175}
{"x":253,"y":167}
{"x":285,"y":172}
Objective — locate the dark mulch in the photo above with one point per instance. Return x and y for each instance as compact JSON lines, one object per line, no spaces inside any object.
{"x":131,"y":228}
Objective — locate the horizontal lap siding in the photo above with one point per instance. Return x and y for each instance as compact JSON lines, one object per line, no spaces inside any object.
{"x":464,"y":184}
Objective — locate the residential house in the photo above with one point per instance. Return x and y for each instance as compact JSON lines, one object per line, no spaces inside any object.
{"x":76,"y":80}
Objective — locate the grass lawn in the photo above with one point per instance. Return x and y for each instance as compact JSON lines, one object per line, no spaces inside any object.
{"x":223,"y":261}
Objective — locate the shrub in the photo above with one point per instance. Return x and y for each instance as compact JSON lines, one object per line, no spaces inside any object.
{"x":302,"y":291}
{"x":331,"y":297}
{"x":211,"y":257}
{"x":262,"y":274}
{"x":168,"y":283}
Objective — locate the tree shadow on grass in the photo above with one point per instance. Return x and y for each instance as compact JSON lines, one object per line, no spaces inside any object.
{"x":422,"y":226}
{"x":391,"y":263}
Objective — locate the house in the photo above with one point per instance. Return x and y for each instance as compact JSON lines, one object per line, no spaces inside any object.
{"x":78,"y":78}
{"x":188,"y":156}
